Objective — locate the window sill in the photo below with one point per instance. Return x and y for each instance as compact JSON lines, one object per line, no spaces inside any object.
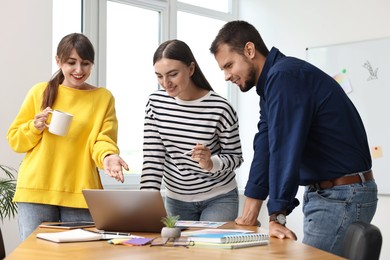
{"x":131,"y":181}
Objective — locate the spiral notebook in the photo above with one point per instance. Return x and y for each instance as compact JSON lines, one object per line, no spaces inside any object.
{"x":226,"y":236}
{"x":230,"y":238}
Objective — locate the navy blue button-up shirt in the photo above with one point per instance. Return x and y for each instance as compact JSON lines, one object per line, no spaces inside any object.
{"x":309,"y":131}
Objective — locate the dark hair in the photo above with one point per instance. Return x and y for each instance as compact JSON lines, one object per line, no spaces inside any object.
{"x":84,"y":49}
{"x":236,"y":34}
{"x":179,"y":50}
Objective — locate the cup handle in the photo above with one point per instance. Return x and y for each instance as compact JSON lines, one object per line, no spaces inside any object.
{"x":46,"y":124}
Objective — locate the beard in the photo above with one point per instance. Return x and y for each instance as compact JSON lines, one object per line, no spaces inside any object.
{"x":251,"y":81}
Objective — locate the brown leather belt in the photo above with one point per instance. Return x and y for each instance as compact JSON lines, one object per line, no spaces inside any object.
{"x":345,"y":180}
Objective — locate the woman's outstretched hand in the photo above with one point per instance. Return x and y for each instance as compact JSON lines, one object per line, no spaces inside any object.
{"x":113,"y":164}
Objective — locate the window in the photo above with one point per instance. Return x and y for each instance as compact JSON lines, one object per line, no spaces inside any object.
{"x":61,"y":26}
{"x":217,"y":5}
{"x":130,"y":75}
{"x":191,"y":33}
{"x":126,"y":33}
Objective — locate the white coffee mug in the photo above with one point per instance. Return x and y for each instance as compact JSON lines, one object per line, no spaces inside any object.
{"x":59,"y":123}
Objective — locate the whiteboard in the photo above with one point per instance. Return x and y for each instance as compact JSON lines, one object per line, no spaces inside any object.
{"x":363,"y":70}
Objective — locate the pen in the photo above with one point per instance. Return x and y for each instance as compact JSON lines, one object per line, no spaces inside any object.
{"x":190,"y":151}
{"x":109,"y":233}
{"x":114,"y":233}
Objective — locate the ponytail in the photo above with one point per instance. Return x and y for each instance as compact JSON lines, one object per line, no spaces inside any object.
{"x":50,"y":93}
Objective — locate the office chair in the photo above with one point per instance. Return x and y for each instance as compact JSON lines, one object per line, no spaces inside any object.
{"x":362,"y":241}
{"x":2,"y":248}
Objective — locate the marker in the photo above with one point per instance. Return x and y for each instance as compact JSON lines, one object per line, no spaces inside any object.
{"x":109,"y":233}
{"x":114,"y":233}
{"x":190,"y":152}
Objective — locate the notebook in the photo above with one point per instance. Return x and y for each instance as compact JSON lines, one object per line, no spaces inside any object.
{"x":224,"y":236}
{"x":229,"y":238}
{"x":126,"y":210}
{"x":74,"y":235}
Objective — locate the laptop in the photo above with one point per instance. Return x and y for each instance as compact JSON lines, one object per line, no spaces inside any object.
{"x":126,"y":210}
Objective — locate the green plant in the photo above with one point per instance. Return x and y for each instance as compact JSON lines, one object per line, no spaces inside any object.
{"x":8,"y":209}
{"x":170,"y":221}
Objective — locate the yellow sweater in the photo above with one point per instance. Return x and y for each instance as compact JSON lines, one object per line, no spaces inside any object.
{"x":56,"y":169}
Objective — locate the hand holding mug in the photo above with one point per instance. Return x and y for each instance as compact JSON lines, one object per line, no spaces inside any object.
{"x":40,"y":119}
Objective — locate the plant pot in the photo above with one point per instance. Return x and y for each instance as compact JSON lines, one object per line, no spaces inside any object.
{"x":167,"y":232}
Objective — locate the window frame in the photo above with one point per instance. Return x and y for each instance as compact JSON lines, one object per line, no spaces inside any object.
{"x":94,"y":22}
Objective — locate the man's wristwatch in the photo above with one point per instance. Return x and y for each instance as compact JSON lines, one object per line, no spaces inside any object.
{"x":278,"y":218}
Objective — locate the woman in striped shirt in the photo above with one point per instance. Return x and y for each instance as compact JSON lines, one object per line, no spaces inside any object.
{"x":191,"y":140}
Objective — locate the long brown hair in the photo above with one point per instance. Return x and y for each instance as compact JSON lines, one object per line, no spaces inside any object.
{"x":179,"y":50}
{"x":84,"y":49}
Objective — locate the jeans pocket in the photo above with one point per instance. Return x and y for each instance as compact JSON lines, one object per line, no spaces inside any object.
{"x":331,"y":195}
{"x":366,"y":211}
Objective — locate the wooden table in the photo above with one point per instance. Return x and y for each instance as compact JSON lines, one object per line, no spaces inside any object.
{"x":34,"y":248}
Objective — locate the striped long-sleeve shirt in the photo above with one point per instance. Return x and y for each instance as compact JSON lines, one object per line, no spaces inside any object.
{"x":173,"y":127}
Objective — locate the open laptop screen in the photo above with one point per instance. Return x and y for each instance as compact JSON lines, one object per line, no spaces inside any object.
{"x":126,"y":210}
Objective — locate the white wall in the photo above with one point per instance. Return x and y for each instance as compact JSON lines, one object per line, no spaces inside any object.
{"x":292,"y":26}
{"x":25,"y":51}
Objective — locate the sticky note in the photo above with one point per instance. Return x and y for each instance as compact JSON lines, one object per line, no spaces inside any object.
{"x":137,"y":241}
{"x":343,"y":80}
{"x":376,"y":152}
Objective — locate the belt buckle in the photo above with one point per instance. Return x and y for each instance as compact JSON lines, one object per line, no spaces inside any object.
{"x":315,"y":186}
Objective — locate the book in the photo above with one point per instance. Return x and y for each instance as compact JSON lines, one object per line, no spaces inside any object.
{"x":74,"y":235}
{"x":228,"y":237}
{"x":68,"y":225}
{"x":231,"y":245}
{"x":207,"y":231}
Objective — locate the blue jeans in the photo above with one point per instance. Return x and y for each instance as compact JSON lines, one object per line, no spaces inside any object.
{"x":31,"y":215}
{"x":329,"y":212}
{"x":220,"y":208}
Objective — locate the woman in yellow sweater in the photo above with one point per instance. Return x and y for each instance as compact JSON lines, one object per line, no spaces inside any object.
{"x":56,"y":168}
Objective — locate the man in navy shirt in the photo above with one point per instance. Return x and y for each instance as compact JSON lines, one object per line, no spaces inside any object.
{"x":309,"y":134}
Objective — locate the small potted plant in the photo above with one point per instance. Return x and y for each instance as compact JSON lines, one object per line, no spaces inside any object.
{"x":170,"y":231}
